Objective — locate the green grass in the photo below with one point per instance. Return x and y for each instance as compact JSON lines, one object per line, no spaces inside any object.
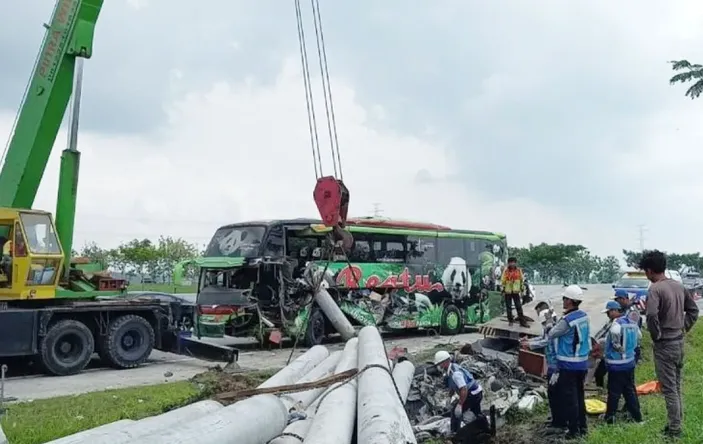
{"x":44,"y":420}
{"x":653,"y":408}
{"x":164,"y":288}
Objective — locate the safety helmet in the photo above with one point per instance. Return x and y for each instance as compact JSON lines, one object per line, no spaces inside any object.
{"x":573,"y":292}
{"x":441,"y":356}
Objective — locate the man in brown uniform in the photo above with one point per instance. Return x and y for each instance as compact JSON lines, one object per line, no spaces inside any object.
{"x":671,"y":312}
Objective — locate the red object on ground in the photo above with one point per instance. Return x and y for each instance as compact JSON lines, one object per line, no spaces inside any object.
{"x":275,"y":336}
{"x":397,"y":352}
{"x":649,"y":388}
{"x":533,"y":363}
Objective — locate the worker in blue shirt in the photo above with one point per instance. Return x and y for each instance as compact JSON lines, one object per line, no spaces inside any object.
{"x":631,"y":312}
{"x":619,"y":345}
{"x":572,"y":341}
{"x":545,"y":313}
{"x":460,"y":381}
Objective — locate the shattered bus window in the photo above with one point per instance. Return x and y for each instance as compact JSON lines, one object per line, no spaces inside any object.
{"x":237,"y":241}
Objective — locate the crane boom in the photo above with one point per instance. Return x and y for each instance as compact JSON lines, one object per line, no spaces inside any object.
{"x":69,"y":35}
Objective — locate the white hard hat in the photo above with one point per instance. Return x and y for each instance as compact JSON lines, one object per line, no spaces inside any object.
{"x":573,"y":292}
{"x":441,"y":356}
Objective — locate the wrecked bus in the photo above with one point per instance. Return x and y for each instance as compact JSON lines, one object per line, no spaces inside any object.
{"x":253,"y":278}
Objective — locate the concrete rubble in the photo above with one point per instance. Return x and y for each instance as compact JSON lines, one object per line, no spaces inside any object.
{"x":382,"y":404}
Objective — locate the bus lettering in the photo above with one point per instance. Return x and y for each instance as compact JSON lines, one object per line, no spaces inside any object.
{"x":352,"y":276}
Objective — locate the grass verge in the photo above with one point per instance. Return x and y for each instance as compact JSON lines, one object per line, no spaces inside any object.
{"x":44,"y":420}
{"x":653,"y":408}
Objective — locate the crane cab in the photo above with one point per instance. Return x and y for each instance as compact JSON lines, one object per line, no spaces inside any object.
{"x":32,"y":257}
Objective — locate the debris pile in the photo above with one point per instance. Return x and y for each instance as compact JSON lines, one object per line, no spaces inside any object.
{"x":505,"y":386}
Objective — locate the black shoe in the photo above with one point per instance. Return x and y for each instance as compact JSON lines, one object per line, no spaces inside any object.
{"x":671,"y":433}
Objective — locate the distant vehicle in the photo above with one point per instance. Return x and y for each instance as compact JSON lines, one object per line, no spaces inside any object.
{"x":692,"y":279}
{"x":675,"y":275}
{"x":636,"y":284}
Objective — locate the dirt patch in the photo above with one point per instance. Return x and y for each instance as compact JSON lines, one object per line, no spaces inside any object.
{"x":216,"y":381}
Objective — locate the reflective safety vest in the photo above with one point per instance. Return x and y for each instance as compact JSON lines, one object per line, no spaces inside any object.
{"x":471,"y":384}
{"x":574,"y":347}
{"x":625,"y":360}
{"x":550,"y":354}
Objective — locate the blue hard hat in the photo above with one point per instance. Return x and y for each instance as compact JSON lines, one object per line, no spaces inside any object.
{"x":612,"y":305}
{"x":621,"y":294}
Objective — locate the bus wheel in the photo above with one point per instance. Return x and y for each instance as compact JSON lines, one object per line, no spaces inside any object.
{"x":451,"y":323}
{"x":67,"y":348}
{"x":128,"y":342}
{"x":315,"y":332}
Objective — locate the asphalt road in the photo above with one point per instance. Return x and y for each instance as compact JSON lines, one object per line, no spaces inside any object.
{"x":167,"y":367}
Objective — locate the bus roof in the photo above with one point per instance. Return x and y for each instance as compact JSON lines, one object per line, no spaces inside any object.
{"x":379,"y":225}
{"x":390,"y":223}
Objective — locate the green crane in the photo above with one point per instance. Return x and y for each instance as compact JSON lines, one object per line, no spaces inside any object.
{"x":57,"y":75}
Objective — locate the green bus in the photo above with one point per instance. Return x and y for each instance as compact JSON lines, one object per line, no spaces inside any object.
{"x":398,"y":275}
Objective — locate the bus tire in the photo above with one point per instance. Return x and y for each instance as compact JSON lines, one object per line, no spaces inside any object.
{"x":315,"y":331}
{"x":66,"y":348}
{"x":451,"y":323}
{"x":128,"y":342}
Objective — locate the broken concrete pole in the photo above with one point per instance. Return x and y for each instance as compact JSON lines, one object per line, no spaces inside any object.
{"x":330,"y":308}
{"x":303,"y":399}
{"x":88,"y":435}
{"x":381,"y":417}
{"x":3,"y":438}
{"x":403,"y":374}
{"x":333,"y":421}
{"x":255,"y":420}
{"x":147,"y":426}
{"x":300,"y":366}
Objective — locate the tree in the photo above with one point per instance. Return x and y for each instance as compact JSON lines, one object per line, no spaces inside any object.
{"x":691,"y":73}
{"x":170,"y":251}
{"x":632,"y":258}
{"x":139,"y":254}
{"x":92,"y":251}
{"x":609,"y":270}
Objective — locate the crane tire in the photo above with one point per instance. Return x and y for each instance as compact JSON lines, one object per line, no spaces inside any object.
{"x":66,"y":348}
{"x":128,"y":342}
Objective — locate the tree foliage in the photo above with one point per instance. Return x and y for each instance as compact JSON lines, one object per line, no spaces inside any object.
{"x":689,"y":73}
{"x":565,"y":263}
{"x":674,"y":261}
{"x":142,"y":257}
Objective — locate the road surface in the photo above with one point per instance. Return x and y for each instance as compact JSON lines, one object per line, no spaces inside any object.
{"x":167,"y":367}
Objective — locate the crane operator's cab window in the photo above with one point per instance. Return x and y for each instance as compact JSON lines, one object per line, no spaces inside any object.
{"x":42,"y":243}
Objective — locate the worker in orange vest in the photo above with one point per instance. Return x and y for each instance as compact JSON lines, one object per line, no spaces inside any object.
{"x":512,"y":286}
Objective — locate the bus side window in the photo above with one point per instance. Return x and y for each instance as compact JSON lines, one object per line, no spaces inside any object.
{"x":448,"y":248}
{"x":421,"y":250}
{"x":389,"y":248}
{"x":361,"y":251}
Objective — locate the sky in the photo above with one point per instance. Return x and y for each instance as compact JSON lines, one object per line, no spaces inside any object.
{"x":550,"y":121}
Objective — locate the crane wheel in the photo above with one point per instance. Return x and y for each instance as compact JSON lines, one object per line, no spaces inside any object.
{"x":66,"y":348}
{"x":128,"y":342}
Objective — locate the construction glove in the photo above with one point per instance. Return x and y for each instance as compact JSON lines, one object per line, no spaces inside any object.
{"x":458,"y":411}
{"x":555,"y":377}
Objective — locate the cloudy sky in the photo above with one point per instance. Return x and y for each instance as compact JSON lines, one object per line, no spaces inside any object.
{"x":548,"y":120}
